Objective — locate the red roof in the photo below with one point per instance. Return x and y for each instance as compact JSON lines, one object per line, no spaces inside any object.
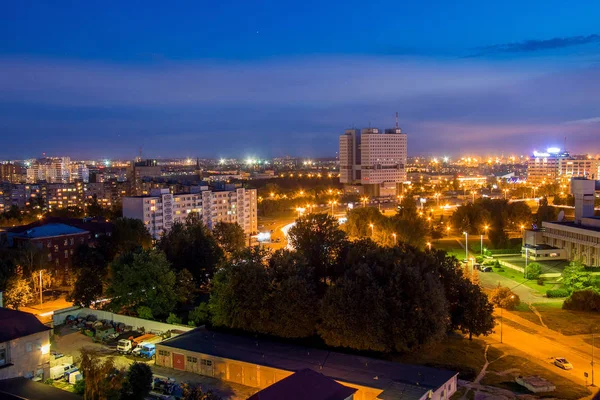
{"x":305,"y":384}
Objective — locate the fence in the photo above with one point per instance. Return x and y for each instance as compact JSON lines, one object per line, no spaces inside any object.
{"x":60,"y":316}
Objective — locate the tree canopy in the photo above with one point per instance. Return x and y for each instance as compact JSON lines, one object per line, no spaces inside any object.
{"x":230,"y":236}
{"x":142,"y":278}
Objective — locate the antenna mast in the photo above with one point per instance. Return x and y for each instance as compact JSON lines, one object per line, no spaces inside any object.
{"x":396,"y":119}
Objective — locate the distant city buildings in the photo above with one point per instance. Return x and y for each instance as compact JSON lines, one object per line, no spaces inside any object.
{"x":161,"y":209}
{"x":374,"y":159}
{"x":556,"y":165}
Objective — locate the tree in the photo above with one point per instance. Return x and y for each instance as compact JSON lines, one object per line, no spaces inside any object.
{"x":238,"y":292}
{"x":144,"y":312}
{"x":191,"y":246}
{"x":230,"y":236}
{"x":87,"y":288}
{"x":102,"y":379}
{"x":130,"y":234}
{"x":185,"y":287}
{"x":7,"y":271}
{"x":195,"y":392}
{"x":173,"y":319}
{"x":545,"y":212}
{"x":142,"y":278}
{"x":533,"y":271}
{"x":575,"y":277}
{"x":583,"y":300}
{"x":503,"y":297}
{"x":199,"y":315}
{"x":319,"y":239}
{"x":138,"y":382}
{"x":478,"y":318}
{"x":18,"y":292}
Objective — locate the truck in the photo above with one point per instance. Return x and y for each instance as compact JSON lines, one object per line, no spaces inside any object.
{"x":145,"y":350}
{"x":126,"y":346}
{"x":62,"y":371}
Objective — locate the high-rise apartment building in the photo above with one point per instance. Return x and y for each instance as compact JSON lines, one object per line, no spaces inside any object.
{"x":555,"y":165}
{"x":161,"y":209}
{"x":11,"y":173}
{"x":51,"y":170}
{"x":373,"y":158}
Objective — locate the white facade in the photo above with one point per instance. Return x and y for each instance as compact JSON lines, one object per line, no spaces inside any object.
{"x":51,"y":170}
{"x":550,"y":166}
{"x":372,"y":157}
{"x":161,"y":209}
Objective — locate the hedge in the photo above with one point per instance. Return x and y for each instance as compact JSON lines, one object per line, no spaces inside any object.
{"x":555,"y":293}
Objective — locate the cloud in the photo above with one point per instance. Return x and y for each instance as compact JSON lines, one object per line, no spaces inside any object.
{"x":529,"y":46}
{"x":585,"y":121}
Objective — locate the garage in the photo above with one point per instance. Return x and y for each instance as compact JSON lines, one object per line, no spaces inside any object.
{"x":179,"y":361}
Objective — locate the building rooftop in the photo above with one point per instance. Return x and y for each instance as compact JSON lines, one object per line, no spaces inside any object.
{"x":305,"y":384}
{"x":572,"y":224}
{"x":16,"y":324}
{"x":355,"y":369}
{"x":25,"y":389}
{"x":49,"y":230}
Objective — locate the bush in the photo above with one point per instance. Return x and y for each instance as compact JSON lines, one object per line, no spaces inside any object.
{"x":533,"y":271}
{"x":540,"y":281}
{"x":583,"y":300}
{"x":79,"y":387}
{"x":145,"y":312}
{"x":500,"y":270}
{"x":173,"y":319}
{"x":556,"y":293}
{"x":49,"y":381}
{"x":504,"y":298}
{"x":497,"y":264}
{"x":479,"y":260}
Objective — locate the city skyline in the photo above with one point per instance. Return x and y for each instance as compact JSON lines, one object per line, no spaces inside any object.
{"x":271,"y":80}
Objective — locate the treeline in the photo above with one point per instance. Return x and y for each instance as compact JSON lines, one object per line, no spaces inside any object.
{"x":358,"y":295}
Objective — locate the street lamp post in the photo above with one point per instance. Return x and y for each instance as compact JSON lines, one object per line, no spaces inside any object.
{"x":429,"y":245}
{"x":333,"y":203}
{"x":485,"y":229}
{"x":466,"y":245}
{"x":394,"y":236}
{"x":502,"y":319}
{"x":372,"y":229}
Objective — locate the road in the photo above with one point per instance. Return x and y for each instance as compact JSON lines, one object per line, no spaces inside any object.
{"x":543,"y":344}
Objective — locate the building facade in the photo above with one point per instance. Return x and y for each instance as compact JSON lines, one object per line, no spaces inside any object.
{"x":57,"y":243}
{"x":24,"y":346}
{"x":373,"y":158}
{"x":577,"y":240}
{"x":260,"y":364}
{"x":556,"y":165}
{"x":161,"y":209}
{"x":50,"y":169}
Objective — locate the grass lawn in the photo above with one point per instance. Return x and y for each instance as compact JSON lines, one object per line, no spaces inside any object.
{"x":530,"y":283}
{"x":503,"y":371}
{"x":455,"y":353}
{"x":568,"y":322}
{"x":451,"y":247}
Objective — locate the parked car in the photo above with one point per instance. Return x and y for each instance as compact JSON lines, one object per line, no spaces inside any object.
{"x":562,"y":363}
{"x":487,"y":269}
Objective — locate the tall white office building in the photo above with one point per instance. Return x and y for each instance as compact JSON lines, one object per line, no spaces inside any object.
{"x":161,"y":209}
{"x":373,"y":159}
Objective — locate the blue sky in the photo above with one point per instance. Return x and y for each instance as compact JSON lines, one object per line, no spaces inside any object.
{"x":270,"y":78}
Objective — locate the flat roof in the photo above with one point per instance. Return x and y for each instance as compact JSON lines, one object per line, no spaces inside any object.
{"x":16,"y":324}
{"x":25,"y":389}
{"x":49,"y":230}
{"x":355,"y":369}
{"x":572,"y":224}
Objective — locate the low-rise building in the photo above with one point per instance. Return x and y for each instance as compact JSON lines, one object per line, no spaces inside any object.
{"x":24,"y":346}
{"x":577,"y":240}
{"x":262,"y":363}
{"x":56,"y":241}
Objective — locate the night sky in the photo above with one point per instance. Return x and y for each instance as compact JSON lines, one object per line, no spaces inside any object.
{"x":271,"y":78}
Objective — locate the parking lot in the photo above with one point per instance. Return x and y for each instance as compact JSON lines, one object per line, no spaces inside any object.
{"x":69,"y":340}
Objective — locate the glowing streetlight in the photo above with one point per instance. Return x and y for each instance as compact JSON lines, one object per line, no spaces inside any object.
{"x":394,"y":236}
{"x":448,"y":230}
{"x":364,"y":201}
{"x":333,"y":203}
{"x":429,"y":245}
{"x":485,"y":228}
{"x":466,"y":245}
{"x":372,"y":229}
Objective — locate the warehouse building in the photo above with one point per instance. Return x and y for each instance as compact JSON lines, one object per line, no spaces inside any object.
{"x":261,"y":363}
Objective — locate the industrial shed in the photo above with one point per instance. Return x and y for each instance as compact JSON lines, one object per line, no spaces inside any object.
{"x":261,"y":363}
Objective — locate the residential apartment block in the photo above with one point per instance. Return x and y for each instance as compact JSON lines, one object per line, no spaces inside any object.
{"x":161,"y":209}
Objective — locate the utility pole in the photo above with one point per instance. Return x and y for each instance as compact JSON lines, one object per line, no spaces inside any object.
{"x":593,"y":360}
{"x":41,"y":287}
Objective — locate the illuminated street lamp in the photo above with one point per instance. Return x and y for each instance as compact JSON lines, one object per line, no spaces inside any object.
{"x":300,"y":211}
{"x":372,"y":229}
{"x":485,"y":228}
{"x":364,"y":200}
{"x":394,"y":236}
{"x":429,"y":245}
{"x":505,"y":191}
{"x":333,"y":203}
{"x":473,"y":193}
{"x":448,"y":230}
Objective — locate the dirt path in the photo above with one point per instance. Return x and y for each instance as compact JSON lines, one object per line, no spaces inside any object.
{"x":537,"y":313}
